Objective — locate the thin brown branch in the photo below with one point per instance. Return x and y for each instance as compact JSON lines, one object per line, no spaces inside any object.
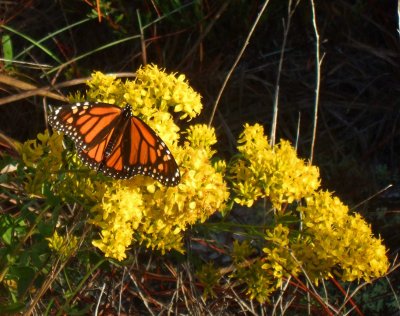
{"x":278,"y":78}
{"x":318,"y":62}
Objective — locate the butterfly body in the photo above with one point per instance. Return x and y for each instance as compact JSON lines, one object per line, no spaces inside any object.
{"x":116,"y":143}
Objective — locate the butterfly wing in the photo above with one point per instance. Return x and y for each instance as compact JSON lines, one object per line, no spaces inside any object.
{"x":116,"y":143}
{"x":136,"y":150}
{"x":148,"y":154}
{"x":87,"y":124}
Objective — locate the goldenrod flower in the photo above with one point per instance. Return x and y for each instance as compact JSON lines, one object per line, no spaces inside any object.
{"x":276,"y":173}
{"x":144,"y":211}
{"x":331,"y":241}
{"x":44,"y":157}
{"x":259,"y":281}
{"x":326,"y":241}
{"x":118,"y":216}
{"x":278,"y":259}
{"x":64,"y":246}
{"x":340,"y":241}
{"x":202,"y":137}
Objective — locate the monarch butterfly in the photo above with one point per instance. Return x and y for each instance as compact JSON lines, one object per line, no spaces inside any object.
{"x":116,"y":143}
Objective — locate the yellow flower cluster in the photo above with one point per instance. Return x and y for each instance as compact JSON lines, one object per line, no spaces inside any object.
{"x":118,"y":216}
{"x":141,"y":209}
{"x":278,"y":259}
{"x":64,"y":246}
{"x":33,"y":151}
{"x":152,"y":95}
{"x":329,"y":241}
{"x":202,"y":137}
{"x":332,"y":243}
{"x":144,"y":211}
{"x":168,"y":90}
{"x":276,"y":173}
{"x":259,"y":281}
{"x":340,"y":242}
{"x":44,"y":157}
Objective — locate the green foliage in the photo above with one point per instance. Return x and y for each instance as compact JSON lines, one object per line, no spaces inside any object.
{"x":24,"y":255}
{"x":209,"y":277}
{"x":375,"y":299}
{"x":7,"y":49}
{"x":259,"y":283}
{"x":32,"y":253}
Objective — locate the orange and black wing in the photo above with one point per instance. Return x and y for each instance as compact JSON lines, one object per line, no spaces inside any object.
{"x":87,"y":124}
{"x":116,"y":143}
{"x":136,"y":149}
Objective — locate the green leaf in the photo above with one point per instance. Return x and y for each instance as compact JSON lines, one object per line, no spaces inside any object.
{"x":6,"y":44}
{"x":6,"y":229}
{"x":25,"y":278}
{"x":46,"y":229}
{"x":34,"y":42}
{"x":11,"y":309}
{"x":7,"y":236}
{"x":39,"y":253}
